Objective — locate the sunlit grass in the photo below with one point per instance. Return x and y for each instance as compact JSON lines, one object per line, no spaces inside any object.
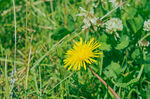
{"x":45,"y":30}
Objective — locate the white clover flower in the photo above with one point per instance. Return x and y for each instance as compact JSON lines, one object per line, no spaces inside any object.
{"x":144,"y":43}
{"x":116,"y":3}
{"x":89,"y":18}
{"x":119,"y":3}
{"x":147,"y":25}
{"x":113,"y":25}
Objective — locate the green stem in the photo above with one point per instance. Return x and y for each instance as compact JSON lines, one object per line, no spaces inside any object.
{"x":6,"y":79}
{"x":40,"y":82}
{"x":101,"y":64}
{"x":142,"y":67}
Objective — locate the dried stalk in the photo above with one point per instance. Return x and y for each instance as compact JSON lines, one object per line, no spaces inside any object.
{"x":110,"y":89}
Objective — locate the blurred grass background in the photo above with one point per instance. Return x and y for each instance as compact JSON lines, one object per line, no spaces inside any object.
{"x":47,"y":28}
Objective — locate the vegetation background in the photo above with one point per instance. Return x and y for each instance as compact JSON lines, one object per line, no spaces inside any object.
{"x":45,"y":29}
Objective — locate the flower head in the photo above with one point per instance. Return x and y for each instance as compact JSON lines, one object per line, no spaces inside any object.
{"x":81,"y":53}
{"x":116,"y":3}
{"x":113,"y":25}
{"x":144,"y":43}
{"x":147,"y":25}
{"x":89,"y":18}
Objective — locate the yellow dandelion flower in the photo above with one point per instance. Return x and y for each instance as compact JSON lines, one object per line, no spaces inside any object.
{"x":81,"y":54}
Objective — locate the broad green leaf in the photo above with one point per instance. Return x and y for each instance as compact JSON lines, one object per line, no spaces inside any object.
{"x":148,"y":93}
{"x":105,"y":46}
{"x":129,"y":13}
{"x":110,"y":74}
{"x":140,"y":3}
{"x":138,"y":22}
{"x":116,"y":67}
{"x":124,"y":42}
{"x":147,"y":68}
{"x":103,"y":38}
{"x":147,"y":58}
{"x":131,"y":25}
{"x":113,"y":70}
{"x":3,"y":3}
{"x":135,"y":54}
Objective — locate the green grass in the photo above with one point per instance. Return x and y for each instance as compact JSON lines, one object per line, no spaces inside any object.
{"x":45,"y":30}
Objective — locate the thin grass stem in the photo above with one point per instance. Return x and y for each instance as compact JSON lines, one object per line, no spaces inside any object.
{"x":6,"y":79}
